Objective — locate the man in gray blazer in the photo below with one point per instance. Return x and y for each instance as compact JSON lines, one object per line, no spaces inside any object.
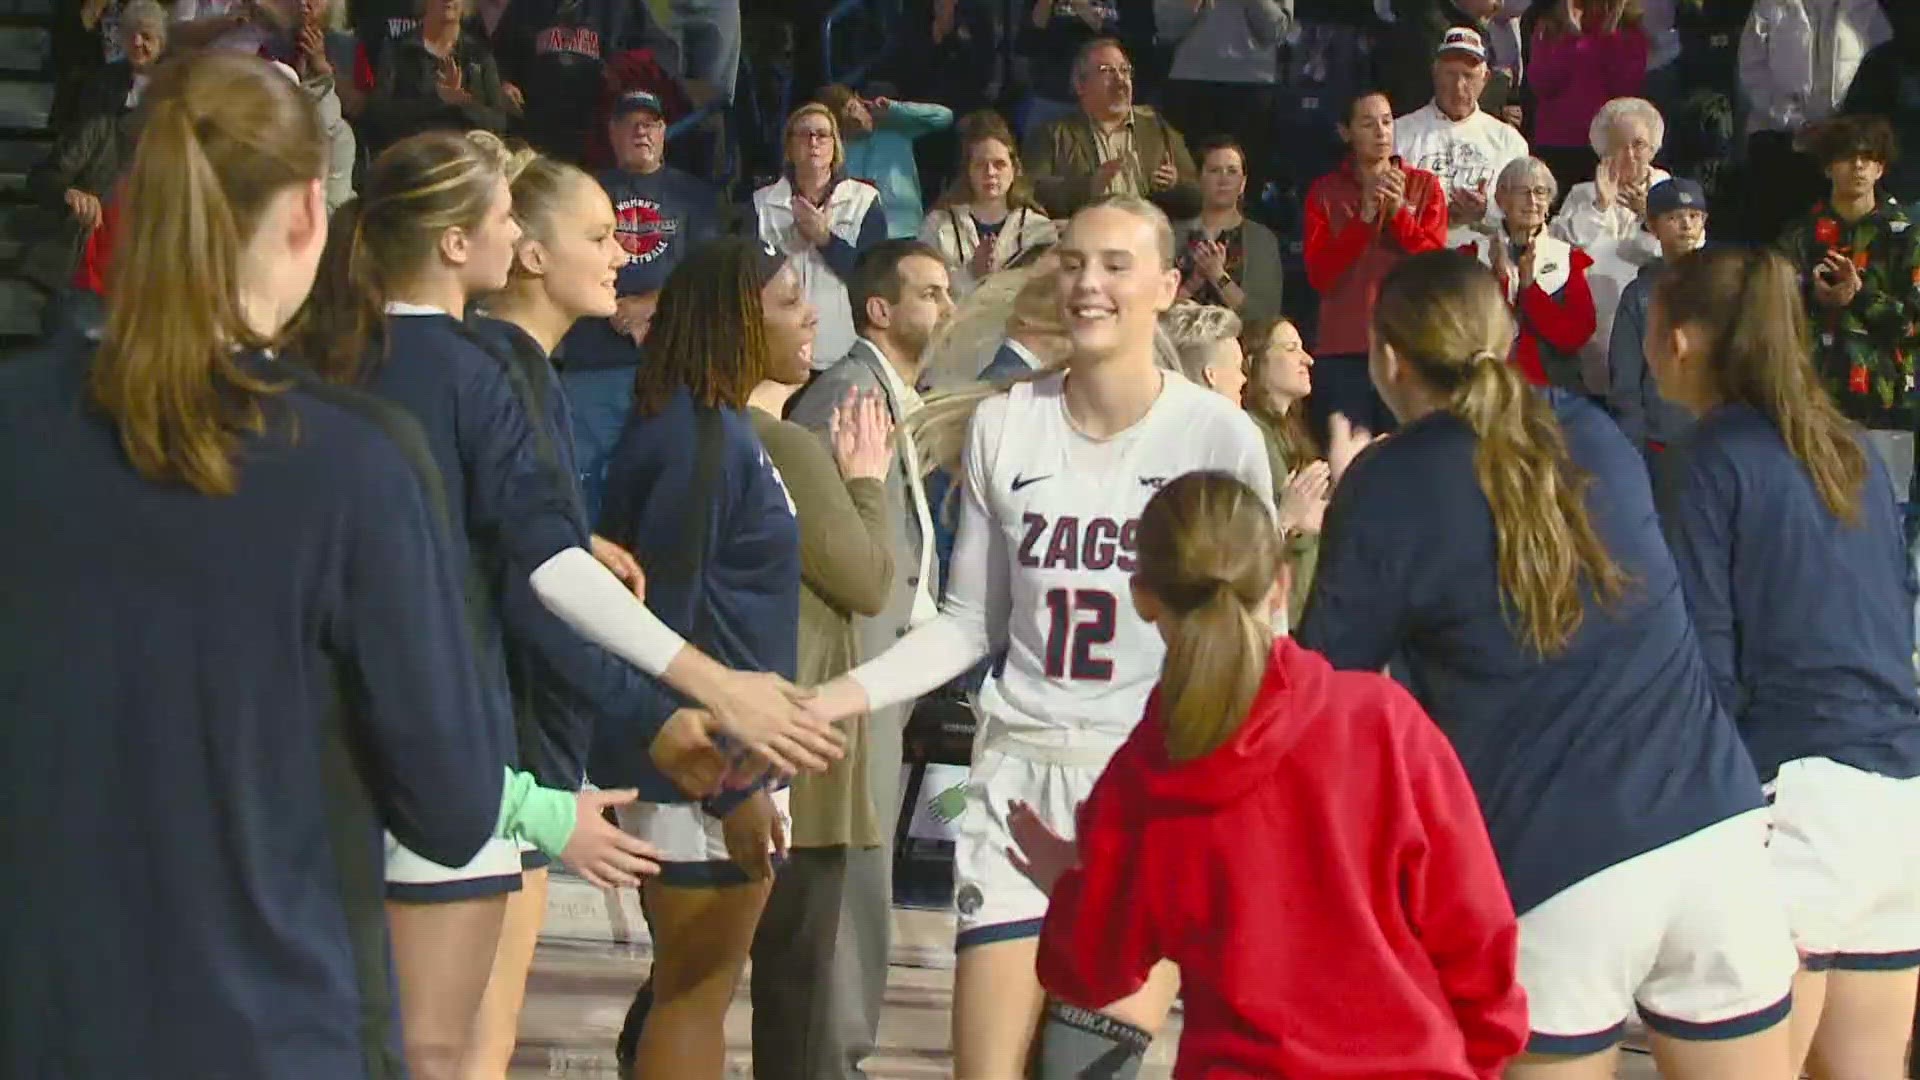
{"x":899,"y":293}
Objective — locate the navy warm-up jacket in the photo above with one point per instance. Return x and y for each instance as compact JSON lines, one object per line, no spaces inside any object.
{"x":192,"y":848}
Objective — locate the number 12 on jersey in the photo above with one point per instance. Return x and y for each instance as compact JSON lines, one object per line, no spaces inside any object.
{"x":1079,"y":620}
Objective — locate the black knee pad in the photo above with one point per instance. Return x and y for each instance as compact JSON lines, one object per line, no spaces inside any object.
{"x":1080,"y":1044}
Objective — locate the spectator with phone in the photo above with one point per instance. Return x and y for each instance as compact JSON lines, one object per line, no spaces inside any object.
{"x":1859,"y":257}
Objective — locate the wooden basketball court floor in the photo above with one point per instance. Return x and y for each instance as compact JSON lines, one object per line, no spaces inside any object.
{"x":593,"y":954}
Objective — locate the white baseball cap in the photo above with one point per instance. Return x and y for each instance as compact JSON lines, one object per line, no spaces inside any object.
{"x":1463,"y":39}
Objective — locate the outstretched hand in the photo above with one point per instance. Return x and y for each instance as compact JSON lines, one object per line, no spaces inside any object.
{"x":1345,"y":441}
{"x":601,"y":851}
{"x":1039,"y":852}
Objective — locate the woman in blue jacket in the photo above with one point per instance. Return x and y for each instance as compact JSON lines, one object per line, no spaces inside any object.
{"x":1503,"y":543}
{"x":691,"y":492}
{"x":1787,"y":531}
{"x":208,"y":554}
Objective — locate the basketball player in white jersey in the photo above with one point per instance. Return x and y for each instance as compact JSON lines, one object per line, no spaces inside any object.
{"x":1056,"y":469}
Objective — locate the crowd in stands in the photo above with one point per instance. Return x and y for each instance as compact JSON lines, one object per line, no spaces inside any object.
{"x":1224,"y":112}
{"x":1302,"y":151}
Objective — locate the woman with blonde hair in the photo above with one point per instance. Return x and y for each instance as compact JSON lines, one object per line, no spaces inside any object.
{"x":562,"y":685}
{"x":1009,"y":325}
{"x":1539,"y":615}
{"x":1206,"y":338}
{"x":1808,"y":633}
{"x":1055,"y":471}
{"x":988,"y":218}
{"x":822,"y":219}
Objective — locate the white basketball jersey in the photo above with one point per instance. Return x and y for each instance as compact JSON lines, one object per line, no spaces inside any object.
{"x":1080,"y":661}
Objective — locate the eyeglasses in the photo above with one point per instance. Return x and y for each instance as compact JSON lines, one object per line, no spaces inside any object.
{"x":1542,"y":193}
{"x":1114,"y":71}
{"x":813,"y":135}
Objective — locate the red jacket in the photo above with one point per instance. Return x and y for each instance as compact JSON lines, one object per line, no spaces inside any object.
{"x":90,"y":275}
{"x":1347,"y":257}
{"x":1323,"y":880}
{"x":1556,"y":312}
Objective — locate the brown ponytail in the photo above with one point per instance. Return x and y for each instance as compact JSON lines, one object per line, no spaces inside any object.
{"x":1210,"y":555}
{"x":1747,"y":307}
{"x":415,"y":191}
{"x":1443,"y":314}
{"x":223,"y":136}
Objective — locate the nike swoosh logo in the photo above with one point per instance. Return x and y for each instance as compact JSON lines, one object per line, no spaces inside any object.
{"x":1022,"y":481}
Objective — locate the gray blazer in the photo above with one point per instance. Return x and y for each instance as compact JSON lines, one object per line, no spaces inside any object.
{"x":813,"y":409}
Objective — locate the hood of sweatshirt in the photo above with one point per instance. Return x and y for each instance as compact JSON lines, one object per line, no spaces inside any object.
{"x":1292,"y":695}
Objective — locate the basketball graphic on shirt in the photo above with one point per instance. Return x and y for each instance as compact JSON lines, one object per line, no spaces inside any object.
{"x":644,"y":232}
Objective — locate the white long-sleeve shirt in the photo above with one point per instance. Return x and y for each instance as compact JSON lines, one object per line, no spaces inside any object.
{"x":1798,"y":57}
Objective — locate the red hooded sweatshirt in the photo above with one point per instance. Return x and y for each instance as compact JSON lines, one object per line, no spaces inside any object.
{"x":1323,"y":879}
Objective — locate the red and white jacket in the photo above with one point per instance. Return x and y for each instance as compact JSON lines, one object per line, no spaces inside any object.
{"x":1555,"y":314}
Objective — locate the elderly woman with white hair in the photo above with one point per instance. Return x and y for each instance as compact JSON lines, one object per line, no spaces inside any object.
{"x":1611,"y":208}
{"x":1606,"y":217}
{"x":1542,"y":275}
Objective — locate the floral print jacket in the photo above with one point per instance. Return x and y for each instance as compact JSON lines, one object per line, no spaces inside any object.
{"x":1865,"y":352}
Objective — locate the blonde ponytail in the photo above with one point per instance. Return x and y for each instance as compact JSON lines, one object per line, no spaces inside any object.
{"x":1443,"y":314}
{"x":415,"y":191}
{"x":1210,"y":556}
{"x":1545,"y":542}
{"x":222,"y":137}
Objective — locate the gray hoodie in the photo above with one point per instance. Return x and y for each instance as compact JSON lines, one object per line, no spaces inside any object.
{"x":1226,"y":41}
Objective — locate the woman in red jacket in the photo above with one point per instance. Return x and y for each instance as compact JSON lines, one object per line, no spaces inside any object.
{"x":1544,"y":278}
{"x":1362,"y":219}
{"x":1328,"y":922}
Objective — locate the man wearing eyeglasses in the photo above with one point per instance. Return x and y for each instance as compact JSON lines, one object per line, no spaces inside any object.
{"x":1112,"y":146}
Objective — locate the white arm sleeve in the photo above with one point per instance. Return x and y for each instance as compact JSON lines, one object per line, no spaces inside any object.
{"x":587,"y":597}
{"x":973,"y":618}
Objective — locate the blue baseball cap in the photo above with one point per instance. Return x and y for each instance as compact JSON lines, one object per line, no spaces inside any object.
{"x":634,"y":101}
{"x":1678,"y":193}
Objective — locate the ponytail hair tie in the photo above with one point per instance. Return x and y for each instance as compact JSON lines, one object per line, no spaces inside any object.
{"x":1484,"y":356}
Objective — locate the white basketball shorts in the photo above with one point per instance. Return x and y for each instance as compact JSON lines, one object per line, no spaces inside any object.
{"x":1692,"y":934}
{"x":1846,"y":857}
{"x":692,"y":844}
{"x":493,"y":872}
{"x":995,"y":901}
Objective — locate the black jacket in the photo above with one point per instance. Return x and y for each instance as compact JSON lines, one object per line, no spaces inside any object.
{"x":1888,"y":84}
{"x":90,"y":154}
